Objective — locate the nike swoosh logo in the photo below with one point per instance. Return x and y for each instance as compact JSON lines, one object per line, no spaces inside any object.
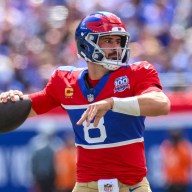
{"x":147,"y":66}
{"x":133,"y":189}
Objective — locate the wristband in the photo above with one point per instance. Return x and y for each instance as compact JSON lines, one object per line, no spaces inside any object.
{"x":128,"y":105}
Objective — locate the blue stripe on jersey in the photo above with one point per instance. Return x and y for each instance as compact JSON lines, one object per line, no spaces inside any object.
{"x":94,"y":91}
{"x":113,"y":128}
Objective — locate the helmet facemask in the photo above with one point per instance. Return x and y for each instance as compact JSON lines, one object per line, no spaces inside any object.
{"x":99,"y":56}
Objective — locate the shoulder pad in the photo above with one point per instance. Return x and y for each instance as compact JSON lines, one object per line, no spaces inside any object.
{"x":136,"y":63}
{"x":68,"y":68}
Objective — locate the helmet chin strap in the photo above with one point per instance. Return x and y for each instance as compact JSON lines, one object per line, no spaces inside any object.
{"x":108,"y":66}
{"x":111,"y":67}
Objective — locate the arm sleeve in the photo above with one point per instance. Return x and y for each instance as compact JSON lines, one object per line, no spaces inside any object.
{"x":48,"y":98}
{"x":146,"y":79}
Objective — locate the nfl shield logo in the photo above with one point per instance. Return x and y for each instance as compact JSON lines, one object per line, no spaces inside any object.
{"x":108,"y":187}
{"x":90,"y":97}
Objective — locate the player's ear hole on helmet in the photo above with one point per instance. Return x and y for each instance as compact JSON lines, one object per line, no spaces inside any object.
{"x":84,"y":47}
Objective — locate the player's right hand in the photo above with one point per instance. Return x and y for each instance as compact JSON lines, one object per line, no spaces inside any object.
{"x":96,"y":111}
{"x":12,"y":94}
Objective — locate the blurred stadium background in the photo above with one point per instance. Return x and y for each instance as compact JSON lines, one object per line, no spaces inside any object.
{"x":37,"y":36}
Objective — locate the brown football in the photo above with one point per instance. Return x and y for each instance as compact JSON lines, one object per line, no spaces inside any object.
{"x":13,"y":114}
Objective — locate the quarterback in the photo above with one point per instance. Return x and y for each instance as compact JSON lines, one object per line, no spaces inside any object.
{"x":107,"y":103}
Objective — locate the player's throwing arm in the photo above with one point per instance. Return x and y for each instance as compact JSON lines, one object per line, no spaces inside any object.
{"x":149,"y":104}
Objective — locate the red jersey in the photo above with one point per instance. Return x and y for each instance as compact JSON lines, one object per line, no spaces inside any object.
{"x":114,"y":149}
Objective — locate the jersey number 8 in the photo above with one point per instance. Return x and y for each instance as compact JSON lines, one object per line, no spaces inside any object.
{"x":101,"y":128}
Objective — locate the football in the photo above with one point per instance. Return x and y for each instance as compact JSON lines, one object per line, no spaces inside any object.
{"x":13,"y":114}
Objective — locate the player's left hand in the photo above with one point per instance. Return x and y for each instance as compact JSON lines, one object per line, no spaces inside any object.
{"x":96,"y":110}
{"x":11,"y":94}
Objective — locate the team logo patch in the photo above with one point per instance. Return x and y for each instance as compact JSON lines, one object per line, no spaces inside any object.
{"x":108,"y":187}
{"x":121,"y":83}
{"x":90,"y":97}
{"x":69,"y":92}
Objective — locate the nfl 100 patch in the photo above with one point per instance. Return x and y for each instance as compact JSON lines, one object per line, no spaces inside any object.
{"x":121,"y":83}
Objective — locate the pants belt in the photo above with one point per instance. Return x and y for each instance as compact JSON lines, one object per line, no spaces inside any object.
{"x":94,"y":184}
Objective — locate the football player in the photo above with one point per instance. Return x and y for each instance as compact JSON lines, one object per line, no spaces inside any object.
{"x":107,"y":103}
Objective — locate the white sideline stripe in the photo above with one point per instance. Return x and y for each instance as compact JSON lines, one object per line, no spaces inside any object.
{"x":112,"y":144}
{"x":74,"y":106}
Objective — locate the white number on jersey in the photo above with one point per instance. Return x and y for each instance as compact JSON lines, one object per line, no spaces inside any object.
{"x":101,"y":128}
